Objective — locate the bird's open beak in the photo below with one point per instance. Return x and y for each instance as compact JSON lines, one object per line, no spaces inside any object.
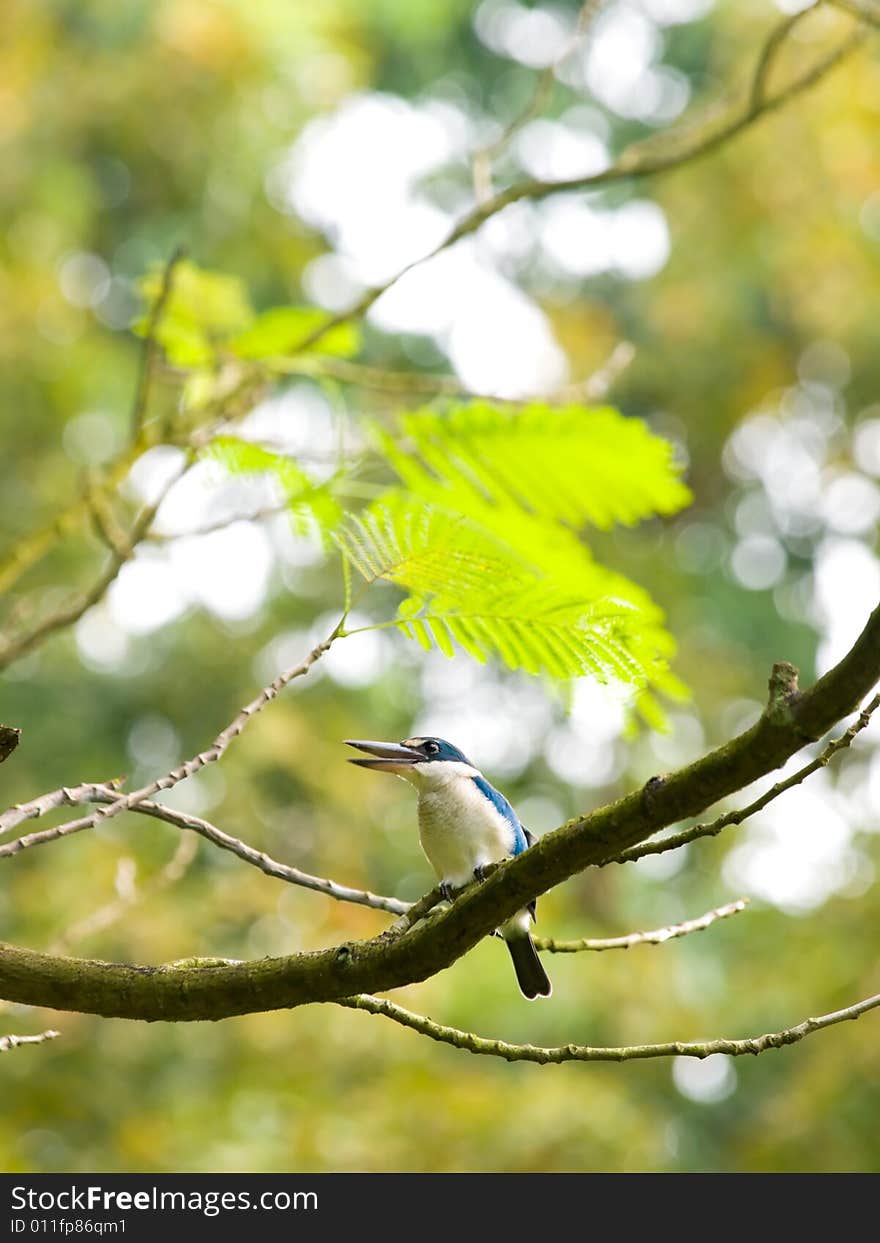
{"x":391,"y":757}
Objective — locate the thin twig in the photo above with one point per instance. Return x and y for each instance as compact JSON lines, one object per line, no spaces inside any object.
{"x":104,"y":794}
{"x":193,"y":765}
{"x":588,"y":1053}
{"x":657,"y":937}
{"x":856,"y":8}
{"x":419,"y":384}
{"x":148,"y":353}
{"x":770,"y":51}
{"x":642,"y":159}
{"x":712,"y":829}
{"x":15,"y":1042}
{"x":482,"y":159}
{"x":70,"y":613}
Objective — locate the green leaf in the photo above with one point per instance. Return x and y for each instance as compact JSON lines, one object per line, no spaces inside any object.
{"x":202,"y":308}
{"x":307,"y":500}
{"x":420,"y":548}
{"x":281,"y":330}
{"x":466,"y":586}
{"x":572,"y":465}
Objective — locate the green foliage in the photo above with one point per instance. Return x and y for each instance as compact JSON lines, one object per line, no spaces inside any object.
{"x":574,"y":465}
{"x":282,"y":330}
{"x":207,"y":314}
{"x":202,"y":309}
{"x":481,"y":538}
{"x":312,"y":505}
{"x":467,"y":586}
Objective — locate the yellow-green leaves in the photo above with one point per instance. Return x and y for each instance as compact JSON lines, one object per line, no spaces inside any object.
{"x":201,"y":310}
{"x":468,"y":587}
{"x":284,"y":330}
{"x":574,"y":465}
{"x":483,"y":536}
{"x":208,"y":316}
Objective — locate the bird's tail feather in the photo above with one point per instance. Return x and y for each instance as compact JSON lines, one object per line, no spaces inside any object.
{"x":530,"y":974}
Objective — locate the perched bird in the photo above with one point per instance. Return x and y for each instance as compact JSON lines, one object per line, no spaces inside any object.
{"x":464,"y":825}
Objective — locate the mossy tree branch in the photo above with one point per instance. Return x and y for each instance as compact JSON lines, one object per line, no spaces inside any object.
{"x":404,"y":955}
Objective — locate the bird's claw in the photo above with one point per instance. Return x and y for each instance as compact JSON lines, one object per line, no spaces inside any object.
{"x":480,"y":871}
{"x":446,"y":891}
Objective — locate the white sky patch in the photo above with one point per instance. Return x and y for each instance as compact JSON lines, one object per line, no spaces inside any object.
{"x":299,"y":422}
{"x":226,"y":571}
{"x":847,"y":585}
{"x":799,"y":853}
{"x":639,"y":239}
{"x":554,"y":151}
{"x":581,"y":240}
{"x":498,"y":723}
{"x":152,"y":471}
{"x":145,"y":595}
{"x":579,"y":764}
{"x":675,"y":12}
{"x":354,"y":175}
{"x":498,"y":340}
{"x":758,"y":562}
{"x":102,"y":643}
{"x":866,"y":443}
{"x":575,"y":237}
{"x":705,"y":1080}
{"x":208,"y":494}
{"x":598,"y":711}
{"x":623,"y":46}
{"x":535,"y":37}
{"x":850,"y":503}
{"x":359,"y":659}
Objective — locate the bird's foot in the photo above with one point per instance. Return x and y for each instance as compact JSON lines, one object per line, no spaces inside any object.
{"x":480,"y":871}
{"x":447,"y":891}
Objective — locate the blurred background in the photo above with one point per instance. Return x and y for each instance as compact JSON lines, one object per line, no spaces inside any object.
{"x":313,"y":150}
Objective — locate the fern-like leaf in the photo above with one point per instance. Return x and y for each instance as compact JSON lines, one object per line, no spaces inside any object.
{"x":466,"y":587}
{"x":573,"y":465}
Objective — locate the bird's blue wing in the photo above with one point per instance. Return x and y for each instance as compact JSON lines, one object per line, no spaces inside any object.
{"x":500,"y":803}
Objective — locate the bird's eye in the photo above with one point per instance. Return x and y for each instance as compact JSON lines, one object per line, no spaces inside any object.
{"x":431,"y":747}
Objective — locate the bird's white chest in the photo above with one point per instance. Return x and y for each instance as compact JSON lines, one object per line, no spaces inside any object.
{"x":459,"y":828}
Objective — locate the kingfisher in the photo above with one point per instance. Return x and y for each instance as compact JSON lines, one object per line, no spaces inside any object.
{"x":464,"y":825}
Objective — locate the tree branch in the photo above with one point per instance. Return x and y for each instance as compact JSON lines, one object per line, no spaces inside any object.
{"x":148,"y":353}
{"x":12,"y":649}
{"x":658,"y":937}
{"x":482,"y":159}
{"x":420,"y":384}
{"x":405,"y":956}
{"x":91,"y":793}
{"x":642,"y":159}
{"x":126,"y":802}
{"x":588,"y":1053}
{"x":15,"y":1042}
{"x":712,"y":829}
